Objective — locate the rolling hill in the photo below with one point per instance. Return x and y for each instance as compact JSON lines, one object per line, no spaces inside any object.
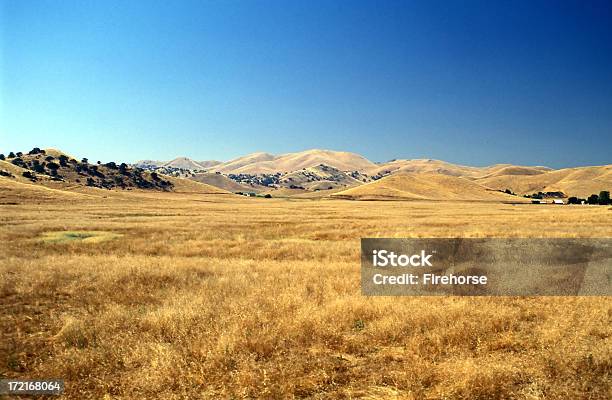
{"x":237,"y":164}
{"x":580,"y":181}
{"x":446,"y":168}
{"x":148,"y":164}
{"x":208,"y":163}
{"x":318,"y":177}
{"x":223,"y":182}
{"x":265,"y":163}
{"x":424,"y":186}
{"x":184,"y":163}
{"x":509,"y":169}
{"x":423,"y":166}
{"x":179,"y":163}
{"x":311,"y":171}
{"x":56,"y":170}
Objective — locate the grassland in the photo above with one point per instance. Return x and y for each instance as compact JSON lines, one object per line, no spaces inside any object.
{"x":219,"y":296}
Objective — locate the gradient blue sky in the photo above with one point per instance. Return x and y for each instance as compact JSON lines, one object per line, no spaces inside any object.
{"x":473,"y":82}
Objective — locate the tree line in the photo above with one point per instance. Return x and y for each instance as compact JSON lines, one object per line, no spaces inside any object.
{"x":603,"y":199}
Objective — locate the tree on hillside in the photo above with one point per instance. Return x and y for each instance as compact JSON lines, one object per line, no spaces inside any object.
{"x":604,"y":197}
{"x":39,"y":168}
{"x":573,"y":200}
{"x":19,"y":154}
{"x":63,"y":160}
{"x":593,"y":199}
{"x":29,"y":175}
{"x":18,"y":162}
{"x":11,"y":155}
{"x":123,"y":168}
{"x":2,"y":157}
{"x":84,"y":161}
{"x":35,"y":150}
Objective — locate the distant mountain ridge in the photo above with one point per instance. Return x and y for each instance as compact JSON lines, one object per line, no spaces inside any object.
{"x":321,"y":170}
{"x":179,"y":163}
{"x":314,"y":173}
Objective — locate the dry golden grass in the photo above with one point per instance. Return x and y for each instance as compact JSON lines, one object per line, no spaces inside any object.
{"x":580,"y":181}
{"x":208,"y":296}
{"x":424,"y":186}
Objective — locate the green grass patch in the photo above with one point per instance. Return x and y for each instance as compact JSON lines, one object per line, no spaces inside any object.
{"x":79,"y":236}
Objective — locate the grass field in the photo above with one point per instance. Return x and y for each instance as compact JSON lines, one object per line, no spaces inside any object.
{"x":218,"y":296}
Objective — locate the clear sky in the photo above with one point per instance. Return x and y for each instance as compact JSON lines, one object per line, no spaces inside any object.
{"x":473,"y":82}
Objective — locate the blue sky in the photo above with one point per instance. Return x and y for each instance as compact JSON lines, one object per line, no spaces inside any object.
{"x":472,"y":82}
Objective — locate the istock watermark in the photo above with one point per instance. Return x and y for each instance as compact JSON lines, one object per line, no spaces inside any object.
{"x":486,"y":267}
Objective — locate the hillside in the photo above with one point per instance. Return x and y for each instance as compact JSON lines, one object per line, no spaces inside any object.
{"x":235,"y":165}
{"x":581,"y":181}
{"x":56,"y":170}
{"x":209,"y":163}
{"x":509,"y":169}
{"x":183,"y":163}
{"x":223,"y":182}
{"x":424,"y":186}
{"x":260,"y":163}
{"x":423,"y":166}
{"x":40,"y":166}
{"x":446,"y":168}
{"x":148,"y":164}
{"x":318,"y":177}
{"x":15,"y":191}
{"x":177,"y":163}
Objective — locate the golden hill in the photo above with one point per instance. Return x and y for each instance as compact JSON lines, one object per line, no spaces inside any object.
{"x":179,"y":162}
{"x":446,"y":168}
{"x":16,"y":191}
{"x":319,"y":177}
{"x":264,"y":163}
{"x":424,"y":166}
{"x":223,"y":182}
{"x":509,"y":169}
{"x":55,"y":170}
{"x":208,"y":163}
{"x":581,"y":181}
{"x":184,"y":163}
{"x":235,"y":165}
{"x":425,"y":186}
